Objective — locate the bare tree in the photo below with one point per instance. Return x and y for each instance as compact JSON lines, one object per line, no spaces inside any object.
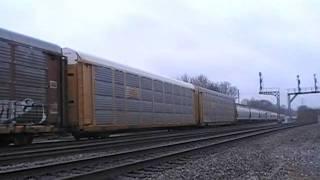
{"x":202,"y":81}
{"x":227,"y":88}
{"x":185,"y":78}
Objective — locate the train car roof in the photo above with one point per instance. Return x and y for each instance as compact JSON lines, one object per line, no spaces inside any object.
{"x":216,"y":92}
{"x":30,"y":41}
{"x":76,"y":56}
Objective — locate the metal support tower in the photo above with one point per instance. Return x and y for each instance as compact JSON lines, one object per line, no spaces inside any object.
{"x":295,"y":92}
{"x":270,"y":91}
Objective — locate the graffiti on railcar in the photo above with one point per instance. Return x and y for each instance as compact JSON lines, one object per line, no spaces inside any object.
{"x":26,"y":111}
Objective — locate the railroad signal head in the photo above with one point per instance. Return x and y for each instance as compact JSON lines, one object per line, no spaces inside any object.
{"x":261,"y":80}
{"x":299,"y":82}
{"x":315,"y":78}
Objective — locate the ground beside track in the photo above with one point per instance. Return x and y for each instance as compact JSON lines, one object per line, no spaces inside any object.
{"x":288,"y":154}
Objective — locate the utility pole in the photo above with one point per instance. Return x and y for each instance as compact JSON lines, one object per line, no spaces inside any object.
{"x":270,"y":91}
{"x":295,"y":92}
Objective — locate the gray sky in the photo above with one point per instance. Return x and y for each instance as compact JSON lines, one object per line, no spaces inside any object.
{"x":227,"y":40}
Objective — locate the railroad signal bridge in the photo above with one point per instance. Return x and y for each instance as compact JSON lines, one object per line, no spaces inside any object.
{"x":294,"y":92}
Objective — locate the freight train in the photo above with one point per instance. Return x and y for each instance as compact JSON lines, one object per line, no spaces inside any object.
{"x":47,"y":89}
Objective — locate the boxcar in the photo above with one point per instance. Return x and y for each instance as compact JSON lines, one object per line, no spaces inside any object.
{"x":31,"y":87}
{"x":215,"y":107}
{"x":105,"y":96}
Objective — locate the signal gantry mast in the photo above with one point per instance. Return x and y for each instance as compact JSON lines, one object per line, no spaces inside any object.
{"x":270,"y":91}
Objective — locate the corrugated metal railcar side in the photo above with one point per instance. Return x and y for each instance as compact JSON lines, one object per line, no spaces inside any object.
{"x":106,"y":96}
{"x":31,"y":90}
{"x":216,"y":108}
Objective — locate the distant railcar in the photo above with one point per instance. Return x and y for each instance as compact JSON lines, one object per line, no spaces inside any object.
{"x":246,"y":113}
{"x":243,"y":112}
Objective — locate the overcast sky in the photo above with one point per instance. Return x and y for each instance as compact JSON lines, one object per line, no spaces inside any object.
{"x":223,"y":39}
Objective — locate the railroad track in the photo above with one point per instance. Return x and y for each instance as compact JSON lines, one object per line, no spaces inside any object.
{"x":68,"y":148}
{"x":121,"y":136}
{"x":119,"y":161}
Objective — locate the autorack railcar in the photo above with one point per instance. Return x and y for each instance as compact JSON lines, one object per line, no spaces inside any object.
{"x":32,"y":87}
{"x":105,"y":96}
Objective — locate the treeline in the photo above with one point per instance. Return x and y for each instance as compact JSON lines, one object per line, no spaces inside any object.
{"x":202,"y":81}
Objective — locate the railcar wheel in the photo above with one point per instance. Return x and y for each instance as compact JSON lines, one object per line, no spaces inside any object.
{"x":104,"y":136}
{"x":22,"y":139}
{"x":4,"y":142}
{"x":76,"y":136}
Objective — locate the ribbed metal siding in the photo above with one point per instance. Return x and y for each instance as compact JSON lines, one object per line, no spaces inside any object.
{"x":103,"y":88}
{"x":103,"y":103}
{"x":4,"y":52}
{"x":104,"y":95}
{"x":104,"y":74}
{"x":158,"y":86}
{"x":146,"y":83}
{"x":4,"y":91}
{"x":132,"y":80}
{"x":119,"y":98}
{"x":137,"y":100}
{"x":146,"y":95}
{"x":102,"y":116}
{"x":168,"y":88}
{"x":133,"y":106}
{"x":119,"y":77}
{"x":39,"y":95}
{"x":119,"y":105}
{"x":31,"y":74}
{"x":146,"y":107}
{"x":218,"y":108}
{"x":5,"y":78}
{"x":119,"y":91}
{"x":24,"y":84}
{"x":158,"y":97}
{"x":24,"y":56}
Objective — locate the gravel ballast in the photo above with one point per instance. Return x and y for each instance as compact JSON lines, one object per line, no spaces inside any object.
{"x":287,"y":154}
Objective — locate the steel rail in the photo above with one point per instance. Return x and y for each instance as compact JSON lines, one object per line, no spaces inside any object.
{"x":53,"y":167}
{"x":40,"y":145}
{"x":34,"y":154}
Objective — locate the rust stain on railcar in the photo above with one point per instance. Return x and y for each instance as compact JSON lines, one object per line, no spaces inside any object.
{"x":132,"y":92}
